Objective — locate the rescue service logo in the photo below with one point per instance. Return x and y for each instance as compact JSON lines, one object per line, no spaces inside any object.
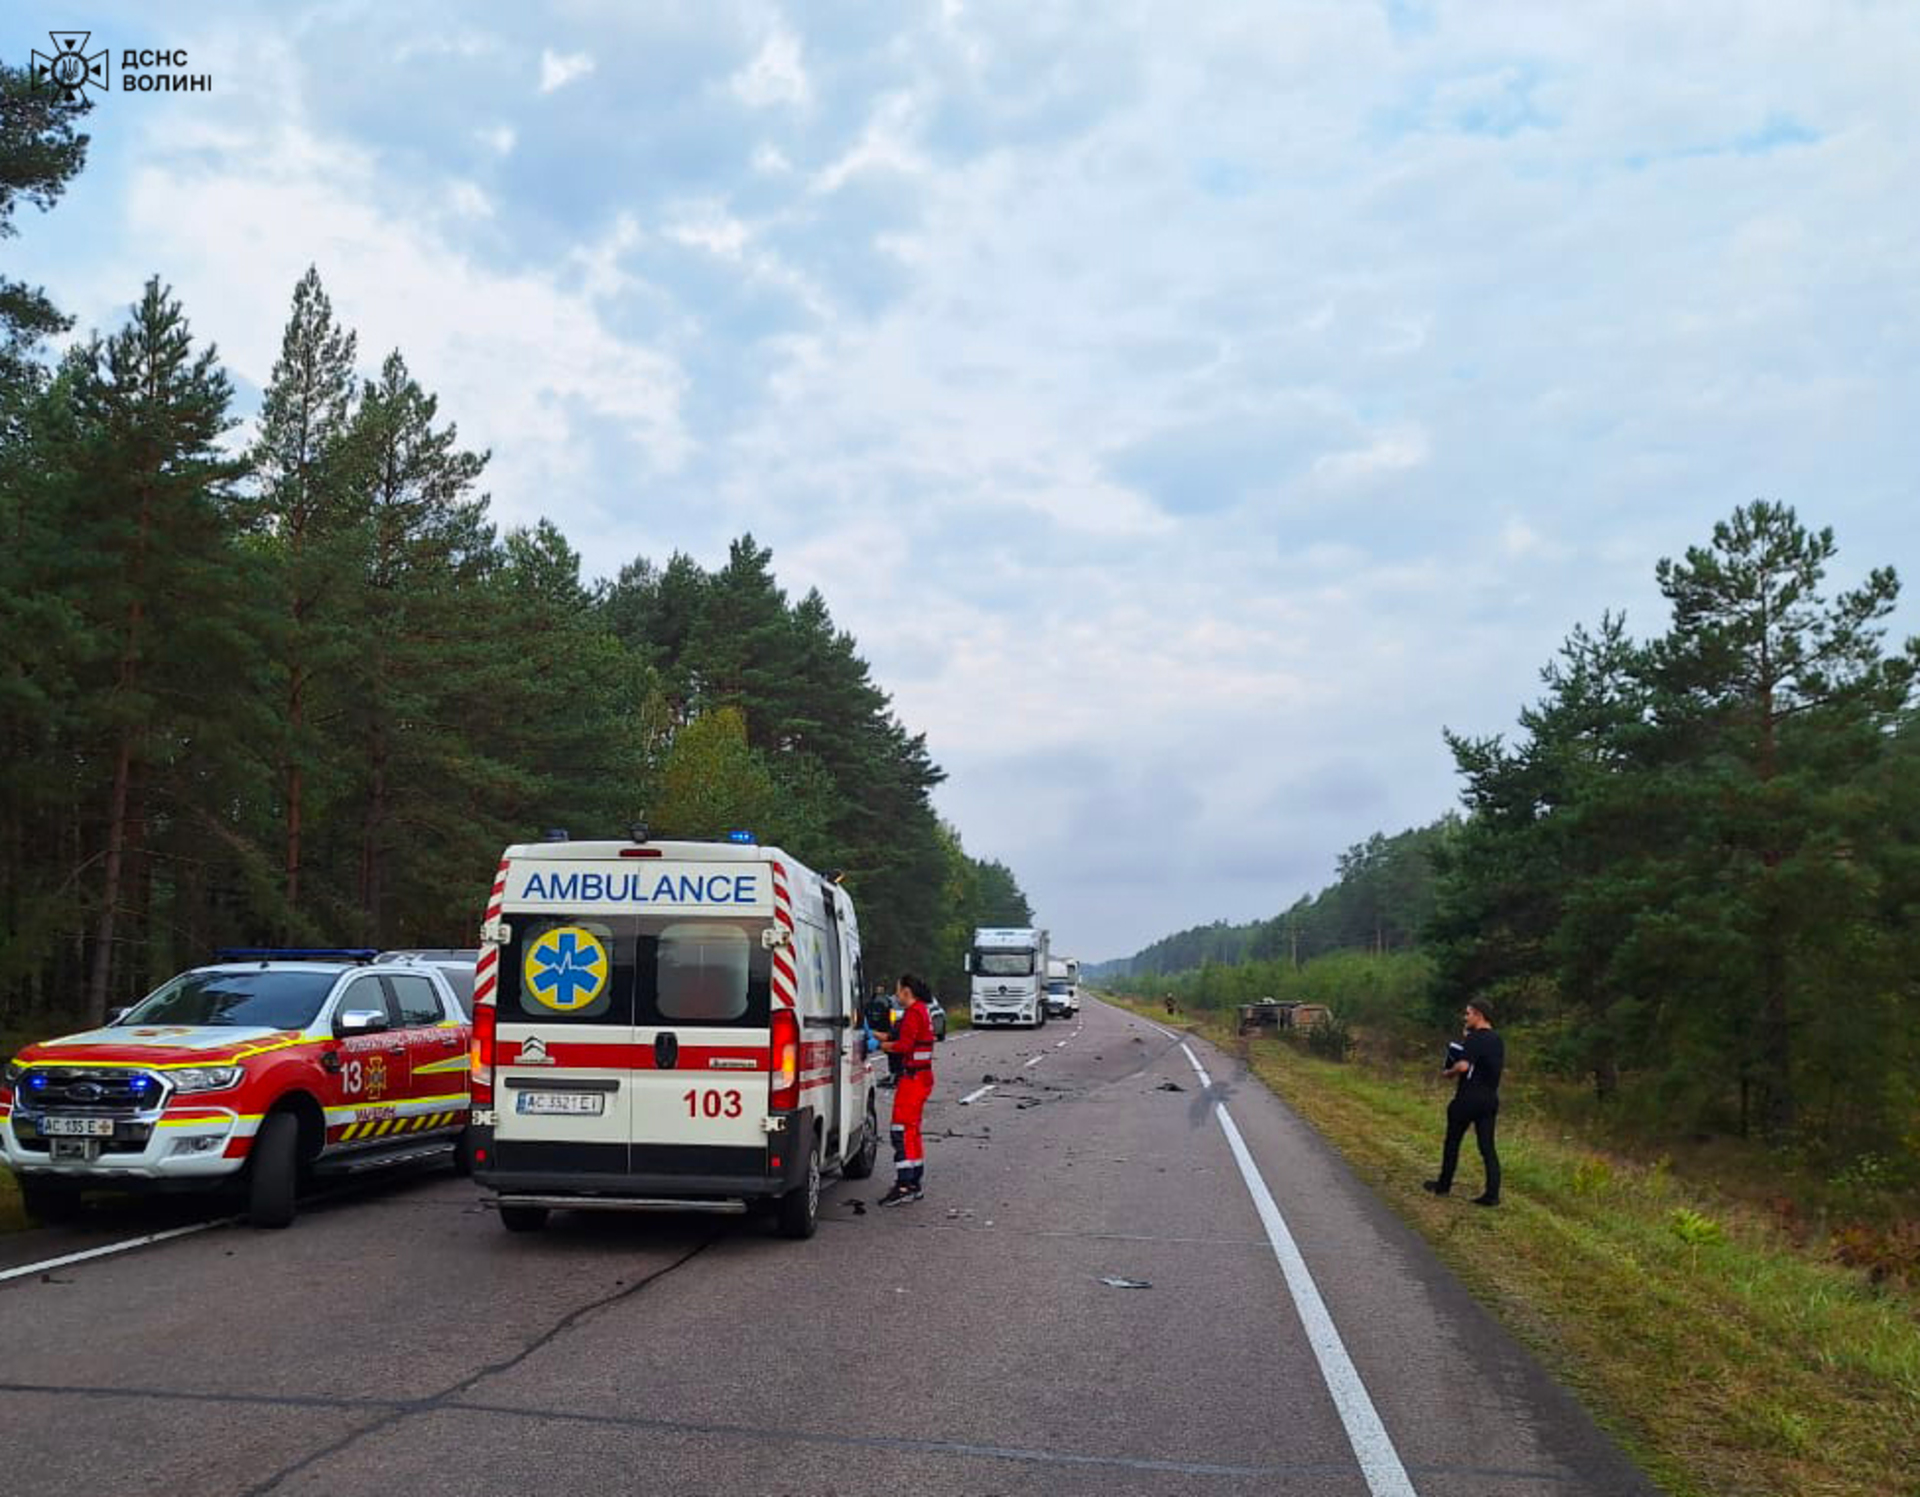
{"x":566,"y":970}
{"x":70,"y":69}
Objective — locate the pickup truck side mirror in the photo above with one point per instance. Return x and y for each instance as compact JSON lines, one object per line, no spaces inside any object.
{"x":360,"y":1021}
{"x":115,"y":1015}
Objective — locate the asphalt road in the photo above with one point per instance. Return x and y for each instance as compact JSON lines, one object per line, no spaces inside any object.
{"x":395,"y":1341}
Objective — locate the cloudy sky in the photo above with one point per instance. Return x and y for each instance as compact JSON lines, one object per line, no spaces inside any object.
{"x":1191,"y":408}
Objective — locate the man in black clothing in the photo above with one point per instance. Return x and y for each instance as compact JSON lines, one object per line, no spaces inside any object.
{"x":1476,"y":1101}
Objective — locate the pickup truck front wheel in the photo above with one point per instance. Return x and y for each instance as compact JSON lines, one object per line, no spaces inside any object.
{"x":273,"y":1171}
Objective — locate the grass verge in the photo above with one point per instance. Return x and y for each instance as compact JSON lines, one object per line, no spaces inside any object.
{"x":1725,"y":1358}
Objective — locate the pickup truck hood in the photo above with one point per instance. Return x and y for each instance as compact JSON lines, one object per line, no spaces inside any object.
{"x":154,"y":1045}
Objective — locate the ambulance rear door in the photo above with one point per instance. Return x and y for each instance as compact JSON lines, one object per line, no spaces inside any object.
{"x":701,"y":1007}
{"x":564,"y":1048}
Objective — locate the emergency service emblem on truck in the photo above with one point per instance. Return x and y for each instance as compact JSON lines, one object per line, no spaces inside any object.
{"x":667,"y":1025}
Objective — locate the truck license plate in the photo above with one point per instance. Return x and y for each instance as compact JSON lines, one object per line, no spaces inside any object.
{"x":585,"y":1104}
{"x":77,"y":1127}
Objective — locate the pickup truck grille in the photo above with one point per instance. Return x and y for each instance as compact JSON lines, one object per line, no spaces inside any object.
{"x":95,"y":1091}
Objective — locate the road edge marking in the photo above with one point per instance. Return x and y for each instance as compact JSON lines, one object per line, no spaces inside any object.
{"x":48,"y":1264}
{"x":1379,"y":1461}
{"x":975,"y":1095}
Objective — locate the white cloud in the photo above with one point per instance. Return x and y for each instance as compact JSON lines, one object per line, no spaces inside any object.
{"x":468,"y":201}
{"x":1390,"y":452}
{"x":775,"y":75}
{"x":887,"y":145}
{"x":558,"y":69}
{"x":1437,"y":341}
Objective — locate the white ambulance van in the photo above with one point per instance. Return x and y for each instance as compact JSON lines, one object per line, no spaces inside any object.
{"x":668,"y":1026}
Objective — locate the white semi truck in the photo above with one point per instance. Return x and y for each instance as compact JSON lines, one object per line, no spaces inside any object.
{"x":1008,"y":971}
{"x":1063,"y":986}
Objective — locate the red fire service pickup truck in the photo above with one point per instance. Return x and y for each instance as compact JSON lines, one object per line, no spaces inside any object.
{"x":258,"y":1073}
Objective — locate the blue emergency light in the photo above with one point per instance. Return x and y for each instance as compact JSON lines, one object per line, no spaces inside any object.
{"x":742,"y":836}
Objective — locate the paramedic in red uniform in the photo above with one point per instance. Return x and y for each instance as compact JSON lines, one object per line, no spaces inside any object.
{"x":913,"y":1042}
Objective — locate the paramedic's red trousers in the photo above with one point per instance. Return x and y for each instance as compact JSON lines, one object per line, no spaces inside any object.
{"x":909,"y":1101}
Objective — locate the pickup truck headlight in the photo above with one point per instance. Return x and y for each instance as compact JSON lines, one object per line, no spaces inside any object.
{"x":206,"y":1078}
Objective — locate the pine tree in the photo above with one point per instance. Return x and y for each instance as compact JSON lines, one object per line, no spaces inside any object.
{"x":429,"y":548}
{"x":311,"y":504}
{"x":40,"y":152}
{"x":150,"y":482}
{"x":1778,"y":696}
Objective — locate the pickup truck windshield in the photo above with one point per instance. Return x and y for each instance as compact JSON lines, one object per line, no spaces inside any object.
{"x":238,"y":1000}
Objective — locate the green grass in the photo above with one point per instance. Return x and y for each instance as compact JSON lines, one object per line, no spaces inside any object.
{"x":1726,"y":1350}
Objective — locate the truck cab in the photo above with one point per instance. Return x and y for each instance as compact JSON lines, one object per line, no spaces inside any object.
{"x":1006,"y":968}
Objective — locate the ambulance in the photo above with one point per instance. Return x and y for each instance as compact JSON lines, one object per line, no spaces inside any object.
{"x":668,"y":1026}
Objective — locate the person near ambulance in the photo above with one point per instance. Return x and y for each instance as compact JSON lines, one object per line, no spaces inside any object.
{"x":912,"y":1042}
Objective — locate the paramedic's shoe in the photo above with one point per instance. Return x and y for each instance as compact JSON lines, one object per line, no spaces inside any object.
{"x":900,"y":1195}
{"x":1435,"y":1187}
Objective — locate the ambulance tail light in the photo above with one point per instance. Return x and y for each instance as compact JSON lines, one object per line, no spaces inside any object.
{"x":480,"y":1055}
{"x":783,"y":1085}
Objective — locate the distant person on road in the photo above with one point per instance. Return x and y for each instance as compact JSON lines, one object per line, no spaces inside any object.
{"x":1476,"y":1101}
{"x":912,"y":1041}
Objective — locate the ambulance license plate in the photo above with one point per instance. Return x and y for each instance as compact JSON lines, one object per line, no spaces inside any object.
{"x":583,"y":1104}
{"x":77,"y":1127}
{"x":75,"y":1148}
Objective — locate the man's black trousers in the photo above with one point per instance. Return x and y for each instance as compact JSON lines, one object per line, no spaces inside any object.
{"x":1479,"y":1114}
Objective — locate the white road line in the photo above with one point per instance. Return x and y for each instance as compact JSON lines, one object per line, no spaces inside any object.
{"x":1379,"y":1462}
{"x":1058,"y":1043}
{"x":1165,"y":1034}
{"x":1034,"y":1062}
{"x":113,"y":1247}
{"x":975,"y":1095}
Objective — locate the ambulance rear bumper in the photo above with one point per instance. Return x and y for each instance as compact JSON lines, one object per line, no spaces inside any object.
{"x":642,"y":1176}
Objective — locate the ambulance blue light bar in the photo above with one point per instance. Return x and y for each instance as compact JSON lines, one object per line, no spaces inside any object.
{"x":746,"y":838}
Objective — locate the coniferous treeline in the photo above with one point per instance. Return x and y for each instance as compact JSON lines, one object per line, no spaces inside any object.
{"x":1380,"y":901}
{"x":1696,"y":869}
{"x":303,"y":691}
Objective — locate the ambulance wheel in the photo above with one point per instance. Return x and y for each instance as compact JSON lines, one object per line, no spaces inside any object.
{"x":799,"y":1209}
{"x":860,"y":1164}
{"x":273,"y":1171}
{"x":49,"y":1201}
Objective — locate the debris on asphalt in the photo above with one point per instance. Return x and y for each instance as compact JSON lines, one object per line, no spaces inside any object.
{"x":1169,"y":1086}
{"x":859,"y":1209}
{"x":1114,"y":1281}
{"x":989,"y":1079}
{"x":1138,"y":1040}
